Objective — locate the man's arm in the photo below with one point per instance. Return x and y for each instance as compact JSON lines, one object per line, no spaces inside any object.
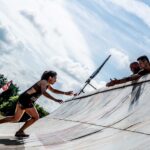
{"x":124,"y":80}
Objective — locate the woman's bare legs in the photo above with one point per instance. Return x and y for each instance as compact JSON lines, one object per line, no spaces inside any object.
{"x":34,"y":117}
{"x":18,"y":114}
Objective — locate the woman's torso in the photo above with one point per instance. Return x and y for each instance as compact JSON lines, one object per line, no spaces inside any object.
{"x":34,"y":92}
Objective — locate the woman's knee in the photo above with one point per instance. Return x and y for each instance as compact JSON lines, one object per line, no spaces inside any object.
{"x":15,"y":119}
{"x":35,"y":117}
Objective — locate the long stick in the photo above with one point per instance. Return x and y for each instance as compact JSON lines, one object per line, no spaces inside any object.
{"x":93,"y":75}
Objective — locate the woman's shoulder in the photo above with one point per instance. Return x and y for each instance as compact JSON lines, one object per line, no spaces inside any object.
{"x":43,"y":82}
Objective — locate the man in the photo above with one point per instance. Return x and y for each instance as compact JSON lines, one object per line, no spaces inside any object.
{"x":138,"y":70}
{"x":144,"y":65}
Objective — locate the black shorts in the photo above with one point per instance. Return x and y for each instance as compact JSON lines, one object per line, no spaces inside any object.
{"x":25,"y":101}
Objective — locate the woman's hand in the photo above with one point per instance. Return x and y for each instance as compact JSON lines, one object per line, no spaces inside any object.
{"x":59,"y":101}
{"x":70,"y":93}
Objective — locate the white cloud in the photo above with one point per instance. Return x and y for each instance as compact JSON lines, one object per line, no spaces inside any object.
{"x":62,"y":47}
{"x":119,"y":58}
{"x":99,"y":85}
{"x":137,"y":8}
{"x":30,"y":18}
{"x":73,"y":69}
{"x":69,"y":44}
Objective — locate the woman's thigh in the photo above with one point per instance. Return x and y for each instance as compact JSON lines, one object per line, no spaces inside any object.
{"x":32,"y":112}
{"x":18,"y":112}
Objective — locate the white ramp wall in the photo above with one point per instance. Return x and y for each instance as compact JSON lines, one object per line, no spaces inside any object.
{"x":109,"y":119}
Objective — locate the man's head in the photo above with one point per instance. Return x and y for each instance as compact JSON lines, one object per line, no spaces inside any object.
{"x":143,"y":62}
{"x":50,"y":76}
{"x":135,"y":68}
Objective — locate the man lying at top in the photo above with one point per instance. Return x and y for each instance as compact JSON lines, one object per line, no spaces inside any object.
{"x":139,"y":69}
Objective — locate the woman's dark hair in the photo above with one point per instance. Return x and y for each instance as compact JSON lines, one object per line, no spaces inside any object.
{"x":142,"y":58}
{"x":48,"y":74}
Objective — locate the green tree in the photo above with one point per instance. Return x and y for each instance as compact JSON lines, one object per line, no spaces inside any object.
{"x":9,"y":98}
{"x":12,"y":91}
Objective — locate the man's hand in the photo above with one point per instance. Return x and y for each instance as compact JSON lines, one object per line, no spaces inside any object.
{"x":59,"y":101}
{"x":112,"y":83}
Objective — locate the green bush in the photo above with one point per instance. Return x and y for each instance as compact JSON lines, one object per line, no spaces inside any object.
{"x":9,"y":98}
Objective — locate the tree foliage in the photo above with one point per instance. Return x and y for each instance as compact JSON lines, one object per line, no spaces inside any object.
{"x":9,"y":98}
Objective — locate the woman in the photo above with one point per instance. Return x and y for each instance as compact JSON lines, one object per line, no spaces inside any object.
{"x":27,"y":99}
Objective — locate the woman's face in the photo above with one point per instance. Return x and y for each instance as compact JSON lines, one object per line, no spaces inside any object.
{"x":52,"y":80}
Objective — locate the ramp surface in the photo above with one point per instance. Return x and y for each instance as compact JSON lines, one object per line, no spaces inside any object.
{"x":109,"y":119}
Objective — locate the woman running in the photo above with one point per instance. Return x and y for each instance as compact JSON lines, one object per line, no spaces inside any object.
{"x":27,"y":99}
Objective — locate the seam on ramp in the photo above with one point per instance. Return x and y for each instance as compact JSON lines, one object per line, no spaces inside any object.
{"x":107,"y":127}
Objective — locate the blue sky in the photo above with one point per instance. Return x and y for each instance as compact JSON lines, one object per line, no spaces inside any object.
{"x":72,"y":37}
{"x":114,"y":27}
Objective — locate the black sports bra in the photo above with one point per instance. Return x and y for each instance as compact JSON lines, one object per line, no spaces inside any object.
{"x":34,"y":92}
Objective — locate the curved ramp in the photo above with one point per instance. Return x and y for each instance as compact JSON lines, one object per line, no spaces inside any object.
{"x":109,"y":119}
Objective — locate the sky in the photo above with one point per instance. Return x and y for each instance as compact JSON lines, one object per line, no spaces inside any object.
{"x":72,"y":37}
